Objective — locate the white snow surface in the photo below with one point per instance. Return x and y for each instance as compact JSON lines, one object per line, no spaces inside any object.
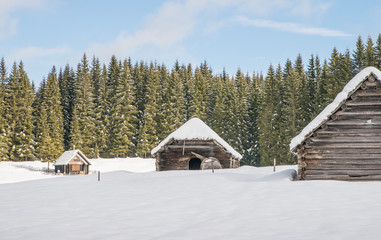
{"x":243,"y":203}
{"x":11,"y":172}
{"x":350,"y":88}
{"x":196,"y":129}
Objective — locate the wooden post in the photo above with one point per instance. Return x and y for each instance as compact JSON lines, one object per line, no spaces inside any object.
{"x":212,"y":166}
{"x":99,"y":176}
{"x":183,"y":147}
{"x":274,"y":164}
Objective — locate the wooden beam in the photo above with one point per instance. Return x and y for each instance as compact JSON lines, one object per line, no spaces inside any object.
{"x":352,"y":103}
{"x":346,"y":139}
{"x":191,"y":147}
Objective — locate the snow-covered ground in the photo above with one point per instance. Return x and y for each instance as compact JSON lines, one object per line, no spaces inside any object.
{"x":243,"y":203}
{"x":30,"y":170}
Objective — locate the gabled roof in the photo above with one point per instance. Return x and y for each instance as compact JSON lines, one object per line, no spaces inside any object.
{"x":67,"y":156}
{"x":340,"y":99}
{"x":196,"y":129}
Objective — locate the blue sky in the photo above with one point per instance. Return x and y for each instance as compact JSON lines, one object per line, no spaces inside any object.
{"x":245,"y":34}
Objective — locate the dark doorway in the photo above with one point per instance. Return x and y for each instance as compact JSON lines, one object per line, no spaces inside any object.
{"x":194,"y":164}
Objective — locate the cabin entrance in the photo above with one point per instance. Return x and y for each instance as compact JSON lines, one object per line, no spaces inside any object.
{"x":195,"y":164}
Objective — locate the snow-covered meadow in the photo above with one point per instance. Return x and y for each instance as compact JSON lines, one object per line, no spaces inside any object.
{"x":139,"y":203}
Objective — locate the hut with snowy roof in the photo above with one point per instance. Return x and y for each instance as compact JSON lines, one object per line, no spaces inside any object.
{"x":72,"y":162}
{"x":183,"y":148}
{"x":344,"y":141}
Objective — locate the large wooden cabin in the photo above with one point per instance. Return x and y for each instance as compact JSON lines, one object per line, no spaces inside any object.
{"x":72,"y":162}
{"x":181,"y":150}
{"x":344,"y":141}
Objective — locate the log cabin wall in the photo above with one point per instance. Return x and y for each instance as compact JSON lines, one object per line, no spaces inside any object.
{"x":176,"y":155}
{"x":348,"y":145}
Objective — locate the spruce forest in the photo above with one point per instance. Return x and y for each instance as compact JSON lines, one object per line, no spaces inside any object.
{"x":124,"y":108}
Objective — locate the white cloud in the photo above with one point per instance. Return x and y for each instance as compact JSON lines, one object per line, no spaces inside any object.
{"x":292,"y":27}
{"x":165,"y":30}
{"x":8,"y":24}
{"x":171,"y":24}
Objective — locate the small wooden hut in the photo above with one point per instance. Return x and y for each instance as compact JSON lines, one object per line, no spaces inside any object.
{"x":182,"y":149}
{"x":344,"y":141}
{"x":72,"y":162}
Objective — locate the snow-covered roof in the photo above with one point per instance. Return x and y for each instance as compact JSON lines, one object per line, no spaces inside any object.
{"x":67,"y":156}
{"x":348,"y":90}
{"x":196,"y":129}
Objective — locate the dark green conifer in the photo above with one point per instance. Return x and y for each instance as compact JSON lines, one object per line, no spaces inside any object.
{"x":359,"y":57}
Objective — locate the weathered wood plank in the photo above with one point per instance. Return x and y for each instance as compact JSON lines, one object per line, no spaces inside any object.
{"x":344,"y":167}
{"x":342,"y":151}
{"x":361,"y":103}
{"x":364,"y":156}
{"x":343,"y":172}
{"x":359,"y":113}
{"x":330,"y":134}
{"x":342,"y":162}
{"x":345,"y":139}
{"x":342,"y":177}
{"x":191,"y":146}
{"x":359,"y":146}
{"x":368,"y":93}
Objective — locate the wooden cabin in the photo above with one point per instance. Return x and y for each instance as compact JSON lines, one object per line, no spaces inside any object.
{"x":72,"y":162}
{"x":344,"y":141}
{"x":184,"y":148}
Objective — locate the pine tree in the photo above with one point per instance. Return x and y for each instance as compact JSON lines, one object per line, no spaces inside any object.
{"x":99,"y":78}
{"x":293,"y":103}
{"x":324,"y":85}
{"x":252,"y":154}
{"x":333,"y":86}
{"x":268,"y":112}
{"x":304,"y":104}
{"x":280,"y":120}
{"x":4,"y":127}
{"x":124,"y":116}
{"x":20,"y":114}
{"x":240,"y":109}
{"x":140,"y":85}
{"x":312,"y":87}
{"x":186,"y":75}
{"x":147,"y":137}
{"x":82,"y":134}
{"x":377,"y":52}
{"x":44,"y":141}
{"x":173,"y":109}
{"x":370,"y":58}
{"x":54,"y":115}
{"x":318,"y":99}
{"x":359,"y":58}
{"x":199,"y":93}
{"x":345,"y":69}
{"x":217,"y":115}
{"x":67,"y":85}
{"x":50,"y":141}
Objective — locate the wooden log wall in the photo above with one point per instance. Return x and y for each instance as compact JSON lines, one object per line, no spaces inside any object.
{"x":348,"y":146}
{"x":176,"y":155}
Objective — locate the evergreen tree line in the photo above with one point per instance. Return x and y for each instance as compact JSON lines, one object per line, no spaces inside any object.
{"x":125,"y":109}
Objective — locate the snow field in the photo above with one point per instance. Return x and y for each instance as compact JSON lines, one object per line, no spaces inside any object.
{"x":30,"y":170}
{"x":243,"y":203}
